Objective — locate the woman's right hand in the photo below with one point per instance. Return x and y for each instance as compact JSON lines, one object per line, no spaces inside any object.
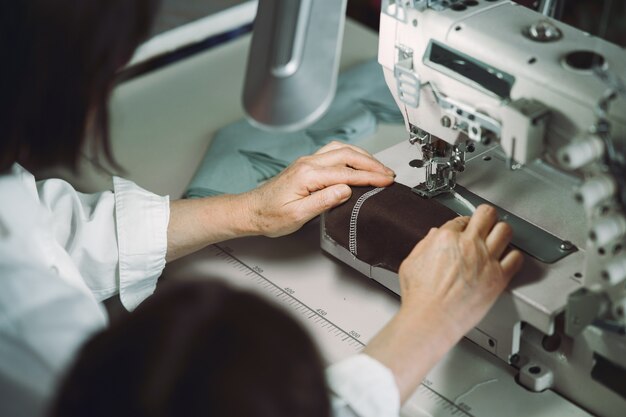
{"x":448,"y":283}
{"x":459,"y":269}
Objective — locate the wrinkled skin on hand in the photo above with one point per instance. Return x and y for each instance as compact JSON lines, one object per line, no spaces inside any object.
{"x":305,"y":189}
{"x":448,"y":283}
{"x":312,"y":185}
{"x":460,"y":269}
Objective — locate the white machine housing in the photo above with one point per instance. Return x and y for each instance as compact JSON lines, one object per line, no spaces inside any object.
{"x":532,"y":112}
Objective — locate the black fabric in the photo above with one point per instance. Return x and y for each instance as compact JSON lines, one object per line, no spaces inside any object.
{"x":389,"y":224}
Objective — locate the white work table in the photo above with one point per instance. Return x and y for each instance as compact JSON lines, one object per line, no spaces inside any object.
{"x":162,"y":125}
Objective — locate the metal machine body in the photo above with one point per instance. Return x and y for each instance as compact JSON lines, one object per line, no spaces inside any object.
{"x":504,"y":105}
{"x":528,"y":114}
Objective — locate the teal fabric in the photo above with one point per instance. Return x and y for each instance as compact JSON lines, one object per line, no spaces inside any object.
{"x":241,"y":156}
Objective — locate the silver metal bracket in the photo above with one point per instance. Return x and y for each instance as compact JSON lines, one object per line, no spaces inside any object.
{"x":407,"y":82}
{"x":475,"y":124}
{"x":536,"y":242}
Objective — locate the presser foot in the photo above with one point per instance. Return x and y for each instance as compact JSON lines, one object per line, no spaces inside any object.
{"x":423,"y":191}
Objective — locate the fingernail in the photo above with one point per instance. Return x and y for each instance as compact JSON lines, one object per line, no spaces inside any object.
{"x":390,"y":172}
{"x":344,"y":192}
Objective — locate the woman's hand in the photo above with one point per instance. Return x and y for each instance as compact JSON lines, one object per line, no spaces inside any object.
{"x":312,"y":185}
{"x":303,"y":190}
{"x":458,"y":270}
{"x":448,"y":283}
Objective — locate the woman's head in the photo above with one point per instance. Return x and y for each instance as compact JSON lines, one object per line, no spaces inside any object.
{"x":59,"y":60}
{"x":198,"y":349}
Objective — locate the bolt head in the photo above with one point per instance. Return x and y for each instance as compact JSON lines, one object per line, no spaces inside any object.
{"x":543,"y":31}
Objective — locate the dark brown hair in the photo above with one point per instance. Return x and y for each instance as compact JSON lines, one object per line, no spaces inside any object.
{"x":58,"y":63}
{"x":198,"y":349}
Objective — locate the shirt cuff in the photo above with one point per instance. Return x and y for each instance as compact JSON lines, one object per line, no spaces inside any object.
{"x":141,"y":222}
{"x":365,"y":386}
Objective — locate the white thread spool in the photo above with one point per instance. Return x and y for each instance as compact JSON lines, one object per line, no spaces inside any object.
{"x":615,"y":271}
{"x":581,"y":153}
{"x":607,"y":230}
{"x":596,"y":190}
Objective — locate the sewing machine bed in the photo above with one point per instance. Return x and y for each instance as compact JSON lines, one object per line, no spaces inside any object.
{"x":537,"y":295}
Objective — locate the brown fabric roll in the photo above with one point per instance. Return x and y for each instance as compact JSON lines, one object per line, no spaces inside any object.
{"x":389,"y":223}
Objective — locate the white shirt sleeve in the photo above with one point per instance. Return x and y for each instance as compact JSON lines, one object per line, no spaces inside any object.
{"x":43,"y":321}
{"x":362,"y":387}
{"x":117,"y":240}
{"x":142,"y":218}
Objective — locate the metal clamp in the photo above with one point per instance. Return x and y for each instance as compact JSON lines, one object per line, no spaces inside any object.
{"x":408,"y":83}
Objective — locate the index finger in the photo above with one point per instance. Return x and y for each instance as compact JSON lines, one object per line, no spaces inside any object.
{"x":482,"y":221}
{"x":349,"y":157}
{"x":330,"y":176}
{"x":458,"y":224}
{"x":334,"y":145}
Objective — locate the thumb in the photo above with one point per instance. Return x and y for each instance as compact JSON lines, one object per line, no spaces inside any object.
{"x":324,"y":199}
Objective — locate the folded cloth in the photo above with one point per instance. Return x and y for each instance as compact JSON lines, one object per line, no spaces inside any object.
{"x":380,"y":226}
{"x":241,"y":156}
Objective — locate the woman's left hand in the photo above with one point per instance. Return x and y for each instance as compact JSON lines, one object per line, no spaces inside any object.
{"x":312,"y":185}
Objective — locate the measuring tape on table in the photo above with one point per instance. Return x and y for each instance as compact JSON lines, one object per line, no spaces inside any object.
{"x":425,"y":402}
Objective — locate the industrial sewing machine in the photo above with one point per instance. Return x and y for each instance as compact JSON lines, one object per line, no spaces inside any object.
{"x":507,"y":106}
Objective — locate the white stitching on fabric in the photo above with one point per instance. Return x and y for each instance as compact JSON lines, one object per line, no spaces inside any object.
{"x":354,"y":218}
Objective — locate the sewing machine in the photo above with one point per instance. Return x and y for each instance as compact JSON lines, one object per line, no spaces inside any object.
{"x":502,"y":105}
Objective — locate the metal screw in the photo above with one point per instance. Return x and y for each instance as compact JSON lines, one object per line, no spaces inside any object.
{"x":446,"y":122}
{"x":566,"y":245}
{"x":543,"y":31}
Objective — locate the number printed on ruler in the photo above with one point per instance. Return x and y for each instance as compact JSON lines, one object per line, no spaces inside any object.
{"x":426,"y":399}
{"x":287,"y":297}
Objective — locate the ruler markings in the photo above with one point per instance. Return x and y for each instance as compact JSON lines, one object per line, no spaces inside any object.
{"x":445,"y":403}
{"x":302,"y":308}
{"x":285,"y":294}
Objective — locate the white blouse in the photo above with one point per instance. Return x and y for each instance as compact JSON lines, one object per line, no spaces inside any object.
{"x":63,"y":252}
